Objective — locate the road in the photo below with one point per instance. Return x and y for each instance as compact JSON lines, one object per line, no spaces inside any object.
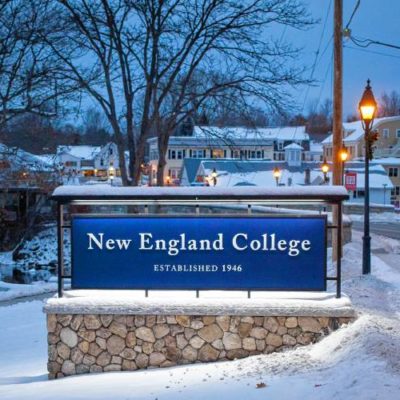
{"x":389,"y":229}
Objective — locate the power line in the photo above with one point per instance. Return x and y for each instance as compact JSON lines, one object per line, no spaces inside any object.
{"x":353,"y":13}
{"x":368,"y":42}
{"x":370,"y":51}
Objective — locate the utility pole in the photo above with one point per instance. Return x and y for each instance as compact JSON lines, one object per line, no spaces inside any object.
{"x":337,"y":106}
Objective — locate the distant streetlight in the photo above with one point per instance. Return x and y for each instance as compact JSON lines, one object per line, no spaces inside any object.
{"x":325,"y":170}
{"x":111,"y":173}
{"x":214,"y":176}
{"x":277,"y":175}
{"x":344,"y":155}
{"x":384,"y":193}
{"x":367,"y":108}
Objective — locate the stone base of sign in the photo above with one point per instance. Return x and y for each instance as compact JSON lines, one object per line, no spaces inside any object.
{"x":127,"y":338}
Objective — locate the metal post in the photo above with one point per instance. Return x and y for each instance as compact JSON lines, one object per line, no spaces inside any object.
{"x":384,"y":194}
{"x":366,"y":267}
{"x":338,"y":251}
{"x":60,"y":249}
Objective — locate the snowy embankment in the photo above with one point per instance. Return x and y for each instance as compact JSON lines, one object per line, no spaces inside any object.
{"x":359,"y":361}
{"x":36,"y":263}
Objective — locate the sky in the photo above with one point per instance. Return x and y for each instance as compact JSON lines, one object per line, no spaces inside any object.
{"x":374,"y":19}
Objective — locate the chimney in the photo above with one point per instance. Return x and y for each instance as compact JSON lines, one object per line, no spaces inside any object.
{"x":307,"y":177}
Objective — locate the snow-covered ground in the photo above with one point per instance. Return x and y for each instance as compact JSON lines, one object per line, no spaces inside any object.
{"x":359,"y":361}
{"x":378,"y":217}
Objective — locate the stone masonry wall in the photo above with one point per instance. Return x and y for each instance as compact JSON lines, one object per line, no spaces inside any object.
{"x":81,"y":344}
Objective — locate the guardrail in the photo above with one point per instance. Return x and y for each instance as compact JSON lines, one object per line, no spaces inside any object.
{"x":157,"y":198}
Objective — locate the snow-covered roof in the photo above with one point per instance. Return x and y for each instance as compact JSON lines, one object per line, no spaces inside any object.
{"x":281,"y":133}
{"x":23,"y":160}
{"x":83,"y":152}
{"x":260,"y":174}
{"x":386,"y":161}
{"x":353,"y":131}
{"x":204,"y":136}
{"x":293,"y":146}
{"x":316,"y":147}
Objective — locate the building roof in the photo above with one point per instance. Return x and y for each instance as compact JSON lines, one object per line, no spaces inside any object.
{"x":353,"y":131}
{"x":259,"y":173}
{"x":316,"y":147}
{"x":209,"y":136}
{"x":386,"y":161}
{"x":191,"y":166}
{"x":19,"y":159}
{"x":83,"y":152}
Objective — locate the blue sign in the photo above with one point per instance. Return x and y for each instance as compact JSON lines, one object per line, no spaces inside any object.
{"x":204,"y":253}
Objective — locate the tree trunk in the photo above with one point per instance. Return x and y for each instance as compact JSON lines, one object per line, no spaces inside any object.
{"x":139,"y":159}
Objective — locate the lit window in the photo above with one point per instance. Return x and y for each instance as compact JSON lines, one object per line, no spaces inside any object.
{"x":218,"y":153}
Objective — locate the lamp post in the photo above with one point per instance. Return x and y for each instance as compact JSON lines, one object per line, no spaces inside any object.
{"x":384,"y":193}
{"x":344,"y":155}
{"x":367,"y":108}
{"x":277,"y":175}
{"x":325,"y":170}
{"x":214,"y":176}
{"x":111,"y":173}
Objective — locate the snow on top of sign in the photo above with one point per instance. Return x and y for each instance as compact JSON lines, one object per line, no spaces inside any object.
{"x":107,"y":190}
{"x":209,"y":303}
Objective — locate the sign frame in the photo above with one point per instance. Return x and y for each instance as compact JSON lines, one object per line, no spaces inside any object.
{"x":323,"y":217}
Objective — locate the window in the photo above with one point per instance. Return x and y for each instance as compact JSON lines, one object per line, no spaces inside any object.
{"x":174,"y":173}
{"x":385,"y":133}
{"x":110,"y":150}
{"x":218,"y":153}
{"x":398,"y":133}
{"x":172,"y":155}
{"x":393,"y":171}
{"x":179,"y":154}
{"x":235,"y":154}
{"x":198,"y":153}
{"x":154,"y":155}
{"x":280,"y":145}
{"x":71,"y":163}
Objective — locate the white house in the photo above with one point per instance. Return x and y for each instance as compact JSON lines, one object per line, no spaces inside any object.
{"x":87,"y":161}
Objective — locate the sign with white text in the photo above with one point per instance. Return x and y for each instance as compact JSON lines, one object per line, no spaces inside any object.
{"x":199,"y":253}
{"x":350,"y":181}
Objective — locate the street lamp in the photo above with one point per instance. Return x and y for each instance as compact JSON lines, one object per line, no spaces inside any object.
{"x":344,"y":155}
{"x":277,"y":175}
{"x":111,"y":173}
{"x":214,"y":176}
{"x":325,"y":170}
{"x":367,"y":108}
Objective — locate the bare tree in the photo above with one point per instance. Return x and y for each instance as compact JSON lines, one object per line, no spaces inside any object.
{"x":28,"y":71}
{"x":389,"y":105}
{"x":150,"y":64}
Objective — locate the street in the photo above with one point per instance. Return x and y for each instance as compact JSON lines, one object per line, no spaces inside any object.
{"x":389,"y":229}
